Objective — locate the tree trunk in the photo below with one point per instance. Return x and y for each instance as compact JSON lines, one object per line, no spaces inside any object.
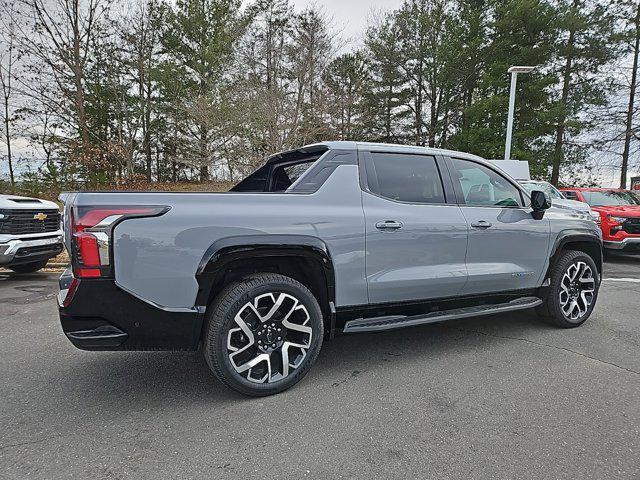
{"x":7,"y":133}
{"x":158,"y":168}
{"x":557,"y":150}
{"x":387,"y":115}
{"x":632,"y":95}
{"x":145,"y":94}
{"x":418,"y":105}
{"x":204,"y":157}
{"x":78,"y":78}
{"x":433,"y":118}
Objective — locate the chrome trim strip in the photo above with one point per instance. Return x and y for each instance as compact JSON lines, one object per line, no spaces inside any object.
{"x":11,"y":247}
{"x":619,"y":245}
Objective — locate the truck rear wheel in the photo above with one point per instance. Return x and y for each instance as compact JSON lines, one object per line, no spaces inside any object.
{"x":263,"y":334}
{"x":572,"y":293}
{"x":28,"y":267}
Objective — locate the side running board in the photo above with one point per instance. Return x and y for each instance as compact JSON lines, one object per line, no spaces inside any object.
{"x":378,"y":324}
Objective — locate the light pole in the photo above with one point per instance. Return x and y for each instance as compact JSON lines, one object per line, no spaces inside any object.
{"x":514,"y":71}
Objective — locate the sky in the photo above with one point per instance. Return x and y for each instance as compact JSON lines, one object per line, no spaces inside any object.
{"x":349,"y":17}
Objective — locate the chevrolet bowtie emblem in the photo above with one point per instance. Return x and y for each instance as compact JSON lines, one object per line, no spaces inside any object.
{"x":40,"y":216}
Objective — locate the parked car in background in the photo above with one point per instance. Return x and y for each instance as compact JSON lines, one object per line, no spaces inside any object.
{"x":30,"y":233}
{"x":558,"y":199}
{"x":337,"y":236}
{"x":619,"y":213}
{"x":519,"y":170}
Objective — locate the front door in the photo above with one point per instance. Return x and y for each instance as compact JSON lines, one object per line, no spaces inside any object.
{"x":507,"y":247}
{"x":415,"y":241}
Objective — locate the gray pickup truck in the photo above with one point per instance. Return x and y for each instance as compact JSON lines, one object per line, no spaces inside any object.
{"x":332,"y":237}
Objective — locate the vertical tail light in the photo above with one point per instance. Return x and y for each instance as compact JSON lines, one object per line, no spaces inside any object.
{"x":91,"y":232}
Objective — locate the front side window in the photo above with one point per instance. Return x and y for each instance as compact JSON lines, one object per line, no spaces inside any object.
{"x":610,"y":197}
{"x":544,"y":187}
{"x":481,"y":186}
{"x":404,"y":177}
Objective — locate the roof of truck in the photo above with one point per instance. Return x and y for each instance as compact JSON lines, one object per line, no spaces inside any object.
{"x":369,"y":146}
{"x":595,"y":189}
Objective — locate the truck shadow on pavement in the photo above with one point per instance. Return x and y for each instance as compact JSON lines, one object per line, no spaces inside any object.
{"x":615,"y":258}
{"x":117,"y":380}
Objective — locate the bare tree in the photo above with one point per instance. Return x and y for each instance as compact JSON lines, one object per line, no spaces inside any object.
{"x":59,"y":38}
{"x":142,"y":44}
{"x":8,"y":57}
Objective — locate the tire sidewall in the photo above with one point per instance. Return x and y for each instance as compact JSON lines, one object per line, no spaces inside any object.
{"x":223,"y":320}
{"x":564,"y":263}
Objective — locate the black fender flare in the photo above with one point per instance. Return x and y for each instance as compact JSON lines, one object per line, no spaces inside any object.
{"x":224,"y":251}
{"x":570,"y":236}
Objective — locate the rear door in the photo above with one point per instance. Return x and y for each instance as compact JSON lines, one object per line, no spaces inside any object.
{"x":416,"y":236}
{"x":507,"y":247}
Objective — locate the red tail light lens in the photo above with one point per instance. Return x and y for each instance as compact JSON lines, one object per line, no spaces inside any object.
{"x":91,"y":229}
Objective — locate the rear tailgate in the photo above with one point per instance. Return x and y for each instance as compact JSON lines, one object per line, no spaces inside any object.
{"x":88,"y":223}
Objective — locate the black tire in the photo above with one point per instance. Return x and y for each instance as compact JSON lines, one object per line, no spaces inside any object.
{"x":30,"y":267}
{"x":233,"y":301}
{"x":552,"y":308}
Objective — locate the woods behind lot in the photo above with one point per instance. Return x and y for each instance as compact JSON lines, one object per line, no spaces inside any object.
{"x":118,"y":94}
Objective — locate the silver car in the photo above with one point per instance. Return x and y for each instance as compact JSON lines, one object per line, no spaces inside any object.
{"x":558,"y":199}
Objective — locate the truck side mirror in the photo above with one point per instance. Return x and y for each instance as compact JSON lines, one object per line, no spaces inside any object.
{"x":540,"y":201}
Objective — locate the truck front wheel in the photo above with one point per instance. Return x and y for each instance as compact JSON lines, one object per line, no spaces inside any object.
{"x":263,"y":334}
{"x":571,"y":296}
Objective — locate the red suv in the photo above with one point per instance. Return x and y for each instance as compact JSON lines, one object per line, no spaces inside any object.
{"x":619,"y":211}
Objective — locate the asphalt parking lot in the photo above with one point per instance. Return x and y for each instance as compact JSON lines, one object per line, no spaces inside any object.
{"x":495,"y":397}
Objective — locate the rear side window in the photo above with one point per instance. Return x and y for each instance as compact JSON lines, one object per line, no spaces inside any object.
{"x":405,"y":178}
{"x":570,"y":195}
{"x":275,"y":177}
{"x":481,"y":186}
{"x":284,"y":176}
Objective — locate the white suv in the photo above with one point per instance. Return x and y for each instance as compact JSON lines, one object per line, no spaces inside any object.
{"x":30,"y":233}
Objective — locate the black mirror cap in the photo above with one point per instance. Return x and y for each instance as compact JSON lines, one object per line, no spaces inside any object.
{"x":540,"y":200}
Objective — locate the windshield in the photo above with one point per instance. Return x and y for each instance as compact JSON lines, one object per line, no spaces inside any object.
{"x":545,"y":187}
{"x":610,"y":197}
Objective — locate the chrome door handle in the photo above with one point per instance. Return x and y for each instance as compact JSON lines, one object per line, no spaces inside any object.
{"x":481,"y":224}
{"x":388,"y":225}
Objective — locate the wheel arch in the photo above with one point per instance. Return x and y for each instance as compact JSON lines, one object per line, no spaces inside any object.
{"x":302,"y":257}
{"x":590,"y":244}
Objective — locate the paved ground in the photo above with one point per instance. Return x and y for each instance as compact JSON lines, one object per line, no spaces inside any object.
{"x":499,"y":397}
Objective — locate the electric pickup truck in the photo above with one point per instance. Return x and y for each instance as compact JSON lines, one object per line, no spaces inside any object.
{"x":30,"y":233}
{"x":335,"y":237}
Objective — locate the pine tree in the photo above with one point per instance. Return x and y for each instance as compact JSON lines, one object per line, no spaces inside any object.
{"x":386,"y":92}
{"x":519,"y":32}
{"x":198,"y":40}
{"x":587,"y":43}
{"x":347,"y":81}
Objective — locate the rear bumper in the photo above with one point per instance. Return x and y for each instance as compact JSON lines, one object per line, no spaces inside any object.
{"x":629,"y":243}
{"x":96,"y":314}
{"x":18,"y":251}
